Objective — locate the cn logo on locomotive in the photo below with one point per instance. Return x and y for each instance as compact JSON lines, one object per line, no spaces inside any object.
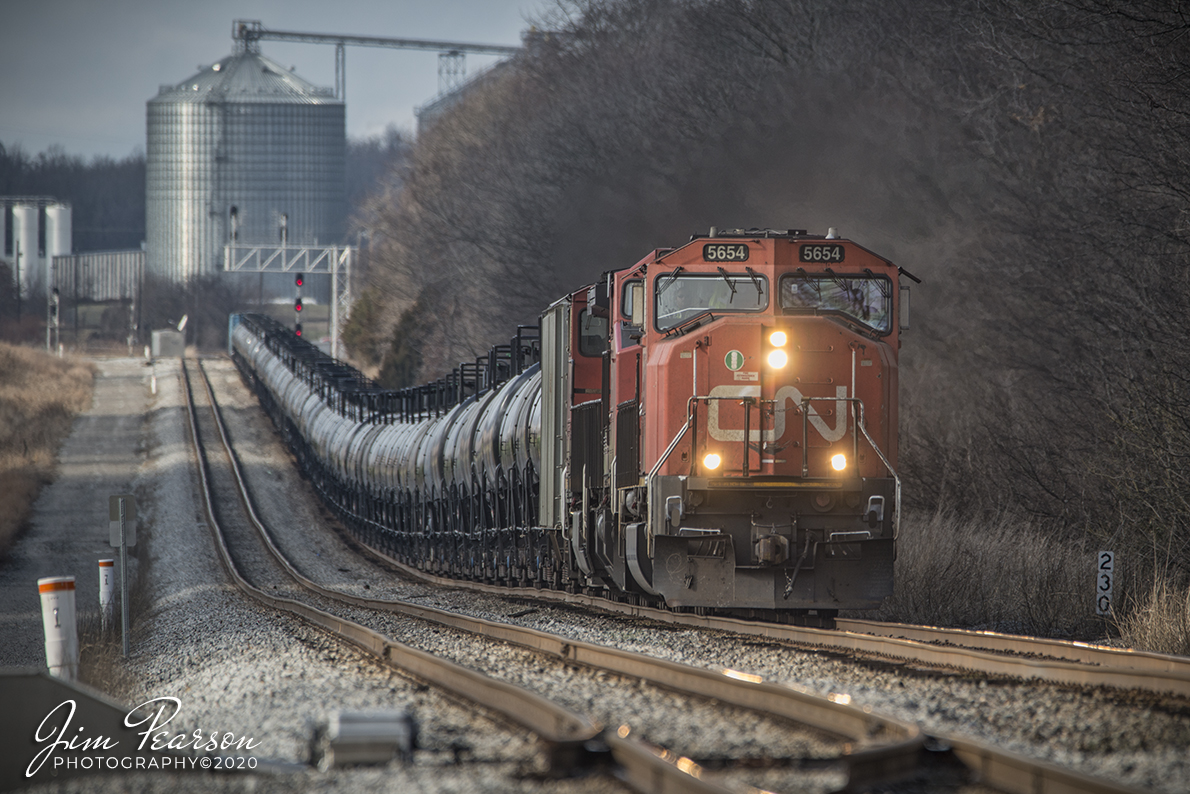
{"x":787,"y":397}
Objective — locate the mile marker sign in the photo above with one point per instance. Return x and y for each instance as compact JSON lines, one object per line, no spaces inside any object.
{"x":113,"y":519}
{"x":1105,"y":575}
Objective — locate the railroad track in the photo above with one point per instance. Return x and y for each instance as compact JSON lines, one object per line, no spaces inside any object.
{"x":1169,"y":673}
{"x":874,"y":748}
{"x":1000,"y":769}
{"x":1073,"y":664}
{"x":991,"y":653}
{"x":559,"y":727}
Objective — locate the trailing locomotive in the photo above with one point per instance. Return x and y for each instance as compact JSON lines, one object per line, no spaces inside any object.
{"x":712,"y":428}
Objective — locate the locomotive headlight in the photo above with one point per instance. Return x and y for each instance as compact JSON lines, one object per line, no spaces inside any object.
{"x":712,"y":461}
{"x":839,"y":462}
{"x":778,"y":358}
{"x":778,"y":339}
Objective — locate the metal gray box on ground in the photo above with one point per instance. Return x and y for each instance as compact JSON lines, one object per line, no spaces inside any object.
{"x":168,"y":344}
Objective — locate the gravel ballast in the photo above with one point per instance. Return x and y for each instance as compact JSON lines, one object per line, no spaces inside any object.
{"x":239,"y":667}
{"x":243,"y":668}
{"x":1136,"y":740}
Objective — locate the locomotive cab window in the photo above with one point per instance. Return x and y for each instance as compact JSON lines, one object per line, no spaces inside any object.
{"x":592,"y":334}
{"x":866,"y":300}
{"x":630,"y":326}
{"x":678,"y":298}
{"x":633,"y":307}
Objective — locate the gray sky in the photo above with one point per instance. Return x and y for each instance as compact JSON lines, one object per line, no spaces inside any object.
{"x":78,"y":72}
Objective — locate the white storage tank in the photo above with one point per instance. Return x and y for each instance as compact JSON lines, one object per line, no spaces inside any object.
{"x":25,"y":244}
{"x":58,"y":230}
{"x":232,"y":150}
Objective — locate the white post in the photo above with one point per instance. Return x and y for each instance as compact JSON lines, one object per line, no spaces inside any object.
{"x":343,"y":315}
{"x":107,"y":591}
{"x":61,"y":630}
{"x":124,"y":574}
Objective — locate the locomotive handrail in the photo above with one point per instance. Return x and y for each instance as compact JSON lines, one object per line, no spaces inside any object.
{"x":863,"y":426}
{"x":806,"y":429}
{"x":691,"y":410}
{"x":669,"y":450}
{"x":860,"y":423}
{"x":656,"y":468}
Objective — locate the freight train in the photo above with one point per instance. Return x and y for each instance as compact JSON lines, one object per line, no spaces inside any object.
{"x":712,"y":429}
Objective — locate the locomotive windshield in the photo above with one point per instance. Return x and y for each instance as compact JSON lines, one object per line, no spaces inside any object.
{"x":679,"y":298}
{"x":865,"y":299}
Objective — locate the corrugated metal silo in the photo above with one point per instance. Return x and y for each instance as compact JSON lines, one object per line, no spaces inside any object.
{"x":245,"y":137}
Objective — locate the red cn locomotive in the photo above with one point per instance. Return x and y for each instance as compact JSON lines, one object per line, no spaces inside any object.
{"x":728,"y":437}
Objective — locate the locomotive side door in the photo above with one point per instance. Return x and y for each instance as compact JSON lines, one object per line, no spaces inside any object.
{"x":627,"y":333}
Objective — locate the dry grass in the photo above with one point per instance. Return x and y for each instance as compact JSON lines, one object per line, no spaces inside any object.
{"x":39,"y":397}
{"x":1000,"y":574}
{"x":101,"y":649}
{"x":101,"y":653}
{"x":1160,"y":621}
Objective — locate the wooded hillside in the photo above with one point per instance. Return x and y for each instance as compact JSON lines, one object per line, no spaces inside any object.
{"x":1027,"y":159}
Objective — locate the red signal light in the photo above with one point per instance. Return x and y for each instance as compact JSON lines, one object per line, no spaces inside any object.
{"x":297,"y":329}
{"x":297,"y":305}
{"x":298,"y":280}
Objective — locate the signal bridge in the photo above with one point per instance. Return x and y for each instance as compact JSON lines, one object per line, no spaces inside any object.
{"x":334,"y":260}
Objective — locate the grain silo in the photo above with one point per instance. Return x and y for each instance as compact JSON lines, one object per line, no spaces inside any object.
{"x":240,"y":149}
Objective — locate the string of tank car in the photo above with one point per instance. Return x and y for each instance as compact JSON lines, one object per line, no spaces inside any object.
{"x":610,"y":684}
{"x":553,"y":644}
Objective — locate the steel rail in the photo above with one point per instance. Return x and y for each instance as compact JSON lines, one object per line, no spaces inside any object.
{"x":645,"y":769}
{"x":1020,"y":774}
{"x":1072,"y":651}
{"x":1175,"y":681}
{"x":998,"y":768}
{"x":896,"y":755}
{"x":556,"y":725}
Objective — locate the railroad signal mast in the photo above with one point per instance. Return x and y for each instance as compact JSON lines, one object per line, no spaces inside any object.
{"x":298,"y":280}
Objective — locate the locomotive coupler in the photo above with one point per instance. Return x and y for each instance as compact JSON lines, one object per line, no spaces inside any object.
{"x":771,"y":549}
{"x":770,"y":544}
